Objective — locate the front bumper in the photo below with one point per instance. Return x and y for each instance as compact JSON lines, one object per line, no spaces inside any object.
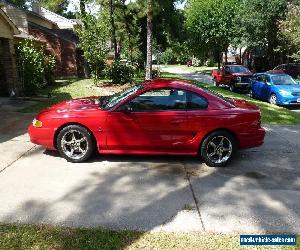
{"x":242,"y":85}
{"x":295,"y":100}
{"x":42,"y":136}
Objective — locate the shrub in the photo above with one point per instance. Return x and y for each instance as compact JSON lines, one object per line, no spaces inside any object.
{"x":120,"y":73}
{"x":49,"y":65}
{"x":36,"y":68}
{"x":168,"y":56}
{"x":31,"y":60}
{"x":93,"y":38}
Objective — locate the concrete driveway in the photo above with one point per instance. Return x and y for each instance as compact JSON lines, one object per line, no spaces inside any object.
{"x":258,"y":192}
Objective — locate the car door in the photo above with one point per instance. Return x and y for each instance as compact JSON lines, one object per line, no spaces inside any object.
{"x":199,"y":119}
{"x":257,"y":85}
{"x":265,"y":87}
{"x":158,"y":122}
{"x":226,"y":76}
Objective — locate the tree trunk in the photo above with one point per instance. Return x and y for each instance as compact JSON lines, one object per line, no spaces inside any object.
{"x":127,"y":31}
{"x":113,"y":29}
{"x":82,"y":7}
{"x":149,"y":41}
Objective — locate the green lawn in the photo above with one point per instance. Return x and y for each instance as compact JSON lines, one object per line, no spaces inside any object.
{"x":49,"y":237}
{"x":64,"y":90}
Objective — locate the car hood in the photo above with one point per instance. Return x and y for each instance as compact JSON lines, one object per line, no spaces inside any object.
{"x":291,"y":88}
{"x":86,"y":103}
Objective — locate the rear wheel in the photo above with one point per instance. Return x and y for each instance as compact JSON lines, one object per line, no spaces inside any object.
{"x":75,"y":143}
{"x":273,"y":99}
{"x":218,"y":148}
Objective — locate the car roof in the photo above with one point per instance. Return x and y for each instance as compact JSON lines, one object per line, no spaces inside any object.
{"x":172,"y":83}
{"x":272,"y":73}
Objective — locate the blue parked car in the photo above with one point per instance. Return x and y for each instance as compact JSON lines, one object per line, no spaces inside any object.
{"x":276,"y":88}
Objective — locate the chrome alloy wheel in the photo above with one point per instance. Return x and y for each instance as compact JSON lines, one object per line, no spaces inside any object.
{"x":273,"y":99}
{"x":219,"y":149}
{"x":74,"y":144}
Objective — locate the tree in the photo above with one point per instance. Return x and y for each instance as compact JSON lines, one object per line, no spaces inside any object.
{"x":93,"y":39}
{"x":211,"y":25}
{"x":148,"y":75}
{"x":58,"y":6}
{"x":20,"y":3}
{"x":113,"y":29}
{"x":290,"y":29}
{"x":257,"y":27}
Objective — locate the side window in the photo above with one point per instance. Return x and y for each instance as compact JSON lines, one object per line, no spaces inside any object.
{"x":195,"y":101}
{"x":159,"y":99}
{"x":227,"y":70}
{"x":267,"y":78}
{"x":260,"y":78}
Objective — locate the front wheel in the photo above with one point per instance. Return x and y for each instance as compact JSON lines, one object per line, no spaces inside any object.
{"x":75,"y":143}
{"x":273,"y":99}
{"x":251,"y":94}
{"x":232,"y":88}
{"x":215,"y":82}
{"x":218,"y":148}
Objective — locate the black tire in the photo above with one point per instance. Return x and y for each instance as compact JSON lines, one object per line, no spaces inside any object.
{"x":83,"y":147}
{"x":232,"y":88}
{"x":214,"y":137}
{"x":273,"y":99}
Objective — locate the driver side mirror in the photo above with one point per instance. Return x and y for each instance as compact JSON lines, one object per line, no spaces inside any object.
{"x":127,"y":108}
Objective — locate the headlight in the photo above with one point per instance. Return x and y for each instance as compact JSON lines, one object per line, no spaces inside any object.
{"x":239,"y":79}
{"x":284,"y":92}
{"x":36,"y":123}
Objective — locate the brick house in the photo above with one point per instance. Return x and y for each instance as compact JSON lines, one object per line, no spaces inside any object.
{"x":55,"y":32}
{"x":8,"y":69}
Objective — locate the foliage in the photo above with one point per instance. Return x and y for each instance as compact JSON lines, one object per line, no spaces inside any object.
{"x":210,"y":24}
{"x":34,"y":64}
{"x":20,"y":3}
{"x":168,"y":56}
{"x":257,"y":27}
{"x":120,"y":73}
{"x":58,"y":6}
{"x":93,"y":38}
{"x":290,"y":29}
{"x":49,"y":66}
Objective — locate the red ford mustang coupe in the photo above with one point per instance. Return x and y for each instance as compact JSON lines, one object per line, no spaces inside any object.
{"x":160,"y":117}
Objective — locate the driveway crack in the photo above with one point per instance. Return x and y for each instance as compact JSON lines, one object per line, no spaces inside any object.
{"x":10,"y":164}
{"x":194,"y":197}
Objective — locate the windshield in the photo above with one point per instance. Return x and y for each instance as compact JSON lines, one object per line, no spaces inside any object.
{"x":283,"y":80}
{"x":239,"y":69}
{"x":108,"y":102}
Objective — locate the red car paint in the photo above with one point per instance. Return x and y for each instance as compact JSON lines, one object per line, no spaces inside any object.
{"x":159,"y":132}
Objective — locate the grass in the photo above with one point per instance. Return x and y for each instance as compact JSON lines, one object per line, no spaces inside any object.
{"x":49,"y":237}
{"x":65,"y":90}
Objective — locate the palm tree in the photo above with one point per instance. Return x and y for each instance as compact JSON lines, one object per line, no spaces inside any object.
{"x":149,"y":41}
